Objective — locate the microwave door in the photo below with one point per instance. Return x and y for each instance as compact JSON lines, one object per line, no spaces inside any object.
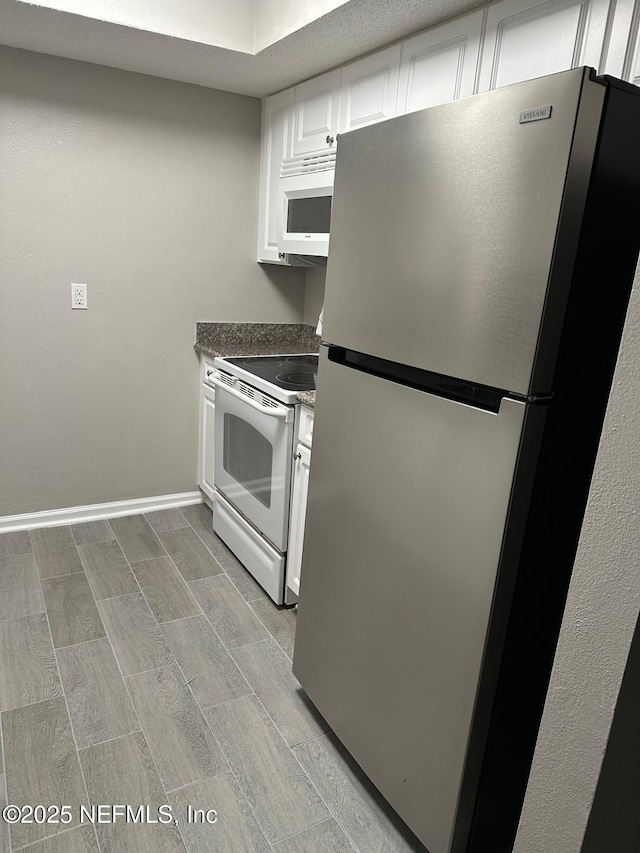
{"x":305,"y":213}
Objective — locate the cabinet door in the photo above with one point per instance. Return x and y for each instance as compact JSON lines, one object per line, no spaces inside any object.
{"x":277,"y":114}
{"x":525,"y":39}
{"x":316,"y":113}
{"x":440,"y":65}
{"x":298,"y":513}
{"x":369,"y":89}
{"x":207,"y":436}
{"x":621,"y":46}
{"x":631,"y":70}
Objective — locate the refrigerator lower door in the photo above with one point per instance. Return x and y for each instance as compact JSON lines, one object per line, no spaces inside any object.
{"x":409,"y":495}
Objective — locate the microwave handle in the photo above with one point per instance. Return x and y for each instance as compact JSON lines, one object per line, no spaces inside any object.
{"x":285,"y":413}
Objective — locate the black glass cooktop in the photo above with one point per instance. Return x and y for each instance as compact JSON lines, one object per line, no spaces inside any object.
{"x":291,"y":372}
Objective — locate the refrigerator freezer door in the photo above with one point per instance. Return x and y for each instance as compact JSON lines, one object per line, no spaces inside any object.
{"x":408,"y":500}
{"x":445,"y":225}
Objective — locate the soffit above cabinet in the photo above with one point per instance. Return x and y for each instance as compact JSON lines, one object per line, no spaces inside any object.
{"x":224,"y":57}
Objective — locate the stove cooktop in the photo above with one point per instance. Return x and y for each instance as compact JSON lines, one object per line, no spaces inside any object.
{"x":290,"y":372}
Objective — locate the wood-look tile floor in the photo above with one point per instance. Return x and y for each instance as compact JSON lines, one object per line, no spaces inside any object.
{"x":140,"y":664}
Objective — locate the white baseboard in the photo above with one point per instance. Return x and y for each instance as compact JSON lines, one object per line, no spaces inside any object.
{"x":96,"y":512}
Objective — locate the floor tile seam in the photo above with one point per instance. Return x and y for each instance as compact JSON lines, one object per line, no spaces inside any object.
{"x":223,"y":571}
{"x":131,"y":564}
{"x":307,"y":776}
{"x":73,"y":734}
{"x":18,"y":553}
{"x":334,"y":814}
{"x":95,"y":598}
{"x":144,"y":737}
{"x":146,"y":601}
{"x":227,"y":575}
{"x":82,"y":642}
{"x":35,"y":556}
{"x":46,"y":616}
{"x":219,"y":638}
{"x":199,"y":782}
{"x":203,"y":542}
{"x":110,"y":739}
{"x":4,"y":777}
{"x":63,"y":574}
{"x":304,"y":772}
{"x":251,"y":692}
{"x":239,"y":790}
{"x":228,"y":651}
{"x":24,"y":615}
{"x":264,"y":625}
{"x":97,"y":541}
{"x":229,"y":648}
{"x":153,"y":669}
{"x":267,"y":628}
{"x":169,"y":529}
{"x":306,"y":829}
{"x":126,"y":687}
{"x":32,"y":844}
{"x":29,"y":704}
{"x":311,"y":739}
{"x":238,"y":781}
{"x":129,"y":561}
{"x":169,"y":791}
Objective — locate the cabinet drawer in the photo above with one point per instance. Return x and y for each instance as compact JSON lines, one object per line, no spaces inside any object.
{"x":305,"y":426}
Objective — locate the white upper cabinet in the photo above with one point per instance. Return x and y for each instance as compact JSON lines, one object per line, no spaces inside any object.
{"x":369,"y":89}
{"x":525,"y":39}
{"x":316,"y":113}
{"x":626,"y":35}
{"x":276,"y":145}
{"x":634,"y":76}
{"x":440,"y":65}
{"x":619,"y":48}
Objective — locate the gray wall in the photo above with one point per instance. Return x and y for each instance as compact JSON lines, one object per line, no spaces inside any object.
{"x":314,"y":295}
{"x":147,"y":190}
{"x":594,"y":645}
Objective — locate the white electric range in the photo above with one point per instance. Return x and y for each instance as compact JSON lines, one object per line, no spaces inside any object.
{"x":256,"y":398}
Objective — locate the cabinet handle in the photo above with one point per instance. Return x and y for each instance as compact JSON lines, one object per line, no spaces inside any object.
{"x":329,"y":140}
{"x":297,"y":455}
{"x":281,"y":255}
{"x":209,"y":372}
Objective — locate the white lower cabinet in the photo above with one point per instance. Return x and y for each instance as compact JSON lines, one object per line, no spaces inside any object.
{"x":299,"y":492}
{"x":206,"y":441}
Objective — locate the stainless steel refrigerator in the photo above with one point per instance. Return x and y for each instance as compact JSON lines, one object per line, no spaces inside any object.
{"x":482,"y":254}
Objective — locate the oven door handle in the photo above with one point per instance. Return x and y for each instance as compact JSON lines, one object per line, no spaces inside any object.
{"x":285,"y":413}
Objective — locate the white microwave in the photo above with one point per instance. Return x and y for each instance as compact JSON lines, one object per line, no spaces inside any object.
{"x":304,"y":194}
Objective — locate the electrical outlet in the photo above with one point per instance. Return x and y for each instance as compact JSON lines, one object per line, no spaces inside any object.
{"x":79,"y":296}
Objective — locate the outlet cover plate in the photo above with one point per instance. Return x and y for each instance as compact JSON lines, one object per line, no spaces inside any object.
{"x":79,"y":296}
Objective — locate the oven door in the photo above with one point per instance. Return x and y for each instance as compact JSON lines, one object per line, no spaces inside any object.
{"x":252,"y":461}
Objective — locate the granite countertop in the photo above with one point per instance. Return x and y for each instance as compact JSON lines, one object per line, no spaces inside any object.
{"x":308,"y":398}
{"x":215,"y":339}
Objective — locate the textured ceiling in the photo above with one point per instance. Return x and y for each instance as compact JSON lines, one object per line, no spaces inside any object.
{"x":353,"y":29}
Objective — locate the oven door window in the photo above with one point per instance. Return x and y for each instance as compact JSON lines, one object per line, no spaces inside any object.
{"x":248,"y":457}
